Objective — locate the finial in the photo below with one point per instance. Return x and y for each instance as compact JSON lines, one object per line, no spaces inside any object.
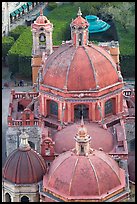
{"x":79,"y":12}
{"x":41,"y":12}
{"x":24,"y":140}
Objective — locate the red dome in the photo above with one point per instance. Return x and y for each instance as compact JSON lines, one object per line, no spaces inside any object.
{"x":77,"y":69}
{"x":80,"y":22}
{"x":41,"y":20}
{"x":84,"y":177}
{"x":100,"y":138}
{"x":24,"y":167}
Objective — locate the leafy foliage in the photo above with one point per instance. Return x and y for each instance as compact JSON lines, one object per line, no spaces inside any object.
{"x":15,"y":33}
{"x":7,"y":43}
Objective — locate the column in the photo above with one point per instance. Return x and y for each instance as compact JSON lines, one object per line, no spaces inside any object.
{"x":45,"y":107}
{"x":90,"y":111}
{"x":60,"y":111}
{"x":69,"y":112}
{"x":93,"y":111}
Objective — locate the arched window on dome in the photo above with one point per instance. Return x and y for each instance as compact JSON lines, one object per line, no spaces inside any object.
{"x":80,"y":38}
{"x":81,"y":110}
{"x":24,"y":199}
{"x":52,"y":108}
{"x":7,"y":197}
{"x":108,"y":107}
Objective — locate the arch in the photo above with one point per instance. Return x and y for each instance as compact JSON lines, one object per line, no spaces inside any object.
{"x":24,"y":199}
{"x":110,"y":107}
{"x":42,"y":39}
{"x":81,"y":110}
{"x":32,"y":145}
{"x":52,"y":107}
{"x":80,"y":38}
{"x":7,"y":197}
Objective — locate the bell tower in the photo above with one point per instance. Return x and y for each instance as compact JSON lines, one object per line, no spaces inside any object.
{"x":42,"y":43}
{"x":79,"y":30}
{"x":42,"y":35}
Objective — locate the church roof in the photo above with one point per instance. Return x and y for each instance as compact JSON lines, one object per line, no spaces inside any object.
{"x":95,"y":176}
{"x":86,"y":67}
{"x":101,"y":138}
{"x":24,"y":165}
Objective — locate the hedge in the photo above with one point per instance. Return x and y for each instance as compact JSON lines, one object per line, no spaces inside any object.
{"x":7,"y":43}
{"x":21,"y":48}
{"x":127,"y":64}
{"x":15,"y":33}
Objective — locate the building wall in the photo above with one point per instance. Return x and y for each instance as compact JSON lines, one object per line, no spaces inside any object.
{"x":7,"y":8}
{"x":12,"y":137}
{"x":18,"y":191}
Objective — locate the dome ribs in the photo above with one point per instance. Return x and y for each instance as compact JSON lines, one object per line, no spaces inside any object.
{"x":32,"y":170}
{"x":94,"y":72}
{"x":110,"y":166}
{"x":95,"y":175}
{"x":67,"y":74}
{"x":54,"y":55}
{"x":75,"y":166}
{"x":104,"y":56}
{"x":57,"y":167}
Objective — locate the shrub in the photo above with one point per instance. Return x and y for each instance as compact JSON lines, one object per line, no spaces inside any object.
{"x":7,"y":43}
{"x":15,"y":33}
{"x":22,"y":48}
{"x":52,"y":5}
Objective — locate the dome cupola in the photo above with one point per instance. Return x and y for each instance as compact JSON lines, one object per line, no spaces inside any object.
{"x":91,"y":176}
{"x":24,"y":165}
{"x":79,"y":30}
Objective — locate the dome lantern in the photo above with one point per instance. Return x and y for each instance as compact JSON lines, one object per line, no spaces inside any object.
{"x":82,"y":140}
{"x":24,"y":140}
{"x":79,"y":30}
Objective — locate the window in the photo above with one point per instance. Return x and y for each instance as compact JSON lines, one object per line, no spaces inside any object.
{"x":7,"y":197}
{"x":108,"y":107}
{"x":53,"y":108}
{"x":24,"y":199}
{"x":81,"y":110}
{"x":80,"y":39}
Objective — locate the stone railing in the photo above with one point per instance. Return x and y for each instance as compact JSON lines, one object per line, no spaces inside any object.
{"x":16,"y":123}
{"x":19,"y":95}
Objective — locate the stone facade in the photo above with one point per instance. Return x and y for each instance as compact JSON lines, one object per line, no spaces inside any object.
{"x":12,"y":137}
{"x":16,"y":192}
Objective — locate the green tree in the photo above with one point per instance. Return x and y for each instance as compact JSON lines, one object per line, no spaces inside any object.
{"x":7,"y":43}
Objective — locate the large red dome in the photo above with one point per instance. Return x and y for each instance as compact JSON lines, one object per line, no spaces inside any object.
{"x":84,"y":177}
{"x":87,"y":67}
{"x":24,"y":167}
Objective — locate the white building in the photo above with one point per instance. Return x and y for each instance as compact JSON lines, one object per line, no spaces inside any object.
{"x":12,"y":11}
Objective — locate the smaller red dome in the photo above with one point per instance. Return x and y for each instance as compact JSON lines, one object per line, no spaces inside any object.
{"x":24,"y":166}
{"x":100,"y":138}
{"x":84,"y":177}
{"x":79,"y":21}
{"x":42,"y":20}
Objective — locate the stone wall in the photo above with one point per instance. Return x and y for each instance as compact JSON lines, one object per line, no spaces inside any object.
{"x":13,"y":140}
